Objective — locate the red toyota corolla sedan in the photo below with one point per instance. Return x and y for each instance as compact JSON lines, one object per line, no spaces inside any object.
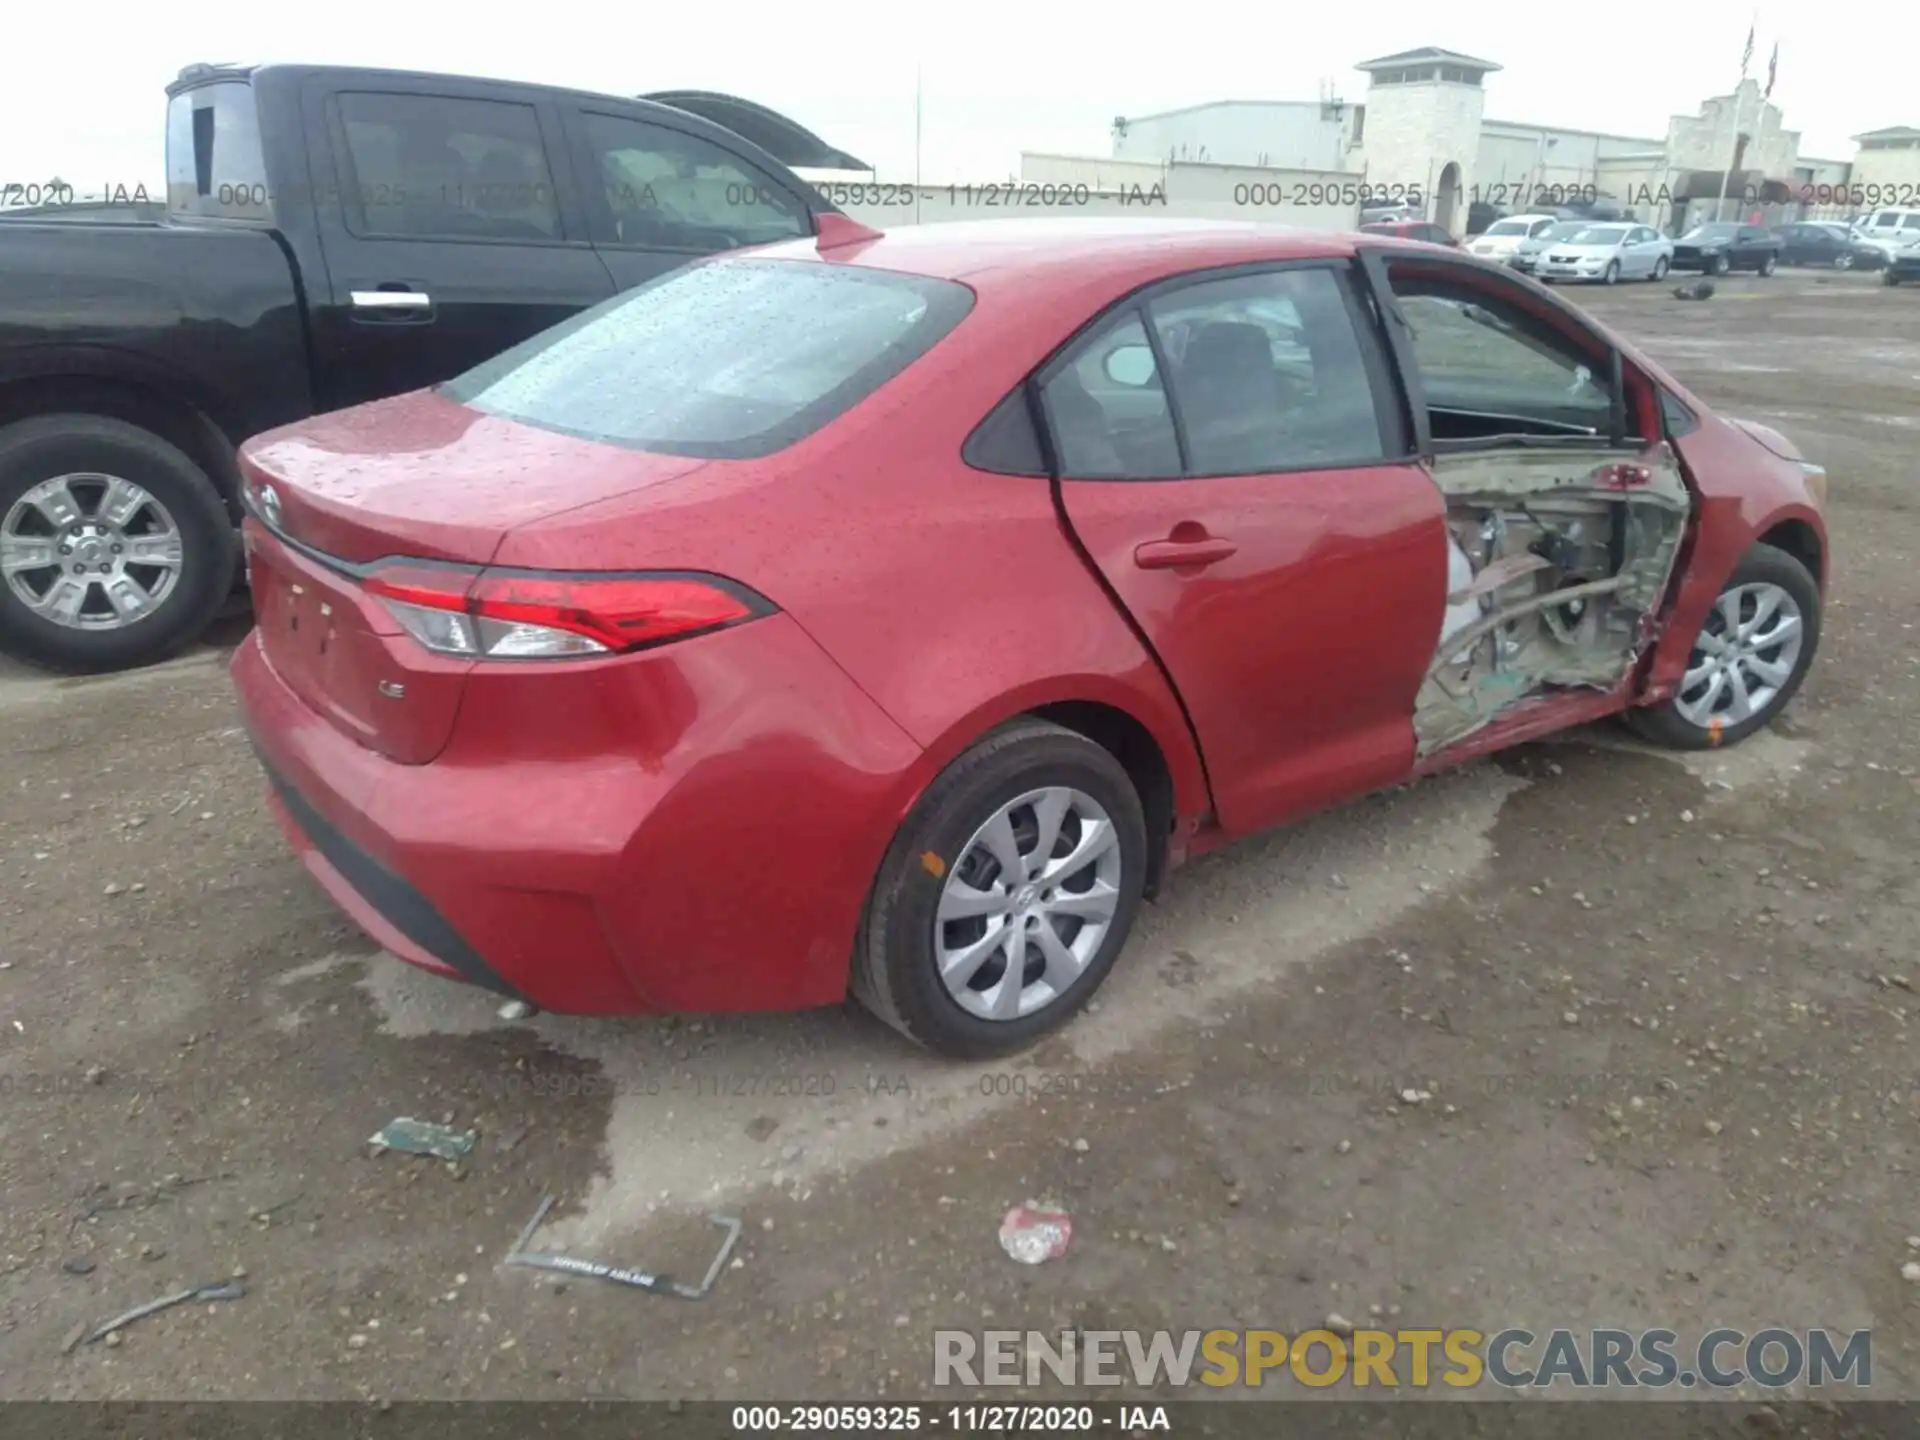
{"x":892,"y":613}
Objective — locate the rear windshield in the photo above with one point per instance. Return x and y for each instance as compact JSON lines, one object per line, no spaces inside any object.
{"x":215,"y":166}
{"x":729,"y":359}
{"x":1509,"y":227}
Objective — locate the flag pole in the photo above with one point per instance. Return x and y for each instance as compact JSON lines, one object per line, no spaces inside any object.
{"x":1739,"y":94}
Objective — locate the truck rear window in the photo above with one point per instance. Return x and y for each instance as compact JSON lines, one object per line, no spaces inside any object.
{"x":727,"y":359}
{"x":216,"y":168}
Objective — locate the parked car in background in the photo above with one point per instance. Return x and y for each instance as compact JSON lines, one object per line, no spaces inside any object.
{"x":1607,"y":253}
{"x":1501,"y":239}
{"x":1904,"y":265}
{"x":1722,"y":246}
{"x":1424,"y":230}
{"x":1526,"y":255}
{"x":331,"y":236}
{"x":1829,"y":243}
{"x":1891,"y":229}
{"x":1376,"y":520}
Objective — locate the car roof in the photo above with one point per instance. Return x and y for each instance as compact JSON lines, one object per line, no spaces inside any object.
{"x":1090,"y":247}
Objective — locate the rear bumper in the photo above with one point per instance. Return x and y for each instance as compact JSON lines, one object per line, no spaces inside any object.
{"x":565,"y":851}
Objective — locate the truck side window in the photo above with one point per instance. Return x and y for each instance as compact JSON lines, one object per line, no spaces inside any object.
{"x":432,"y":167}
{"x":669,"y":190}
{"x":215,"y":166}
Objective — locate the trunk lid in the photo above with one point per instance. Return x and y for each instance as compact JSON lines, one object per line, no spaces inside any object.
{"x":424,"y":476}
{"x":416,"y":476}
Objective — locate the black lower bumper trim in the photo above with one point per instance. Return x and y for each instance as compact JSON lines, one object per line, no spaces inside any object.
{"x":397,"y":902}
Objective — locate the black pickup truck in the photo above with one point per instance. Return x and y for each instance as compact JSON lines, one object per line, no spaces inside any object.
{"x":330,"y":236}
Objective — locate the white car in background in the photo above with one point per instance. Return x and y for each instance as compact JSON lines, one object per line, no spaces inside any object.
{"x":1893,"y":230}
{"x":1607,"y":252}
{"x":1500,"y":240}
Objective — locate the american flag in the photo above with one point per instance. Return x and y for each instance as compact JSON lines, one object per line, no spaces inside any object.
{"x":1773,"y":64}
{"x":1746,"y":55}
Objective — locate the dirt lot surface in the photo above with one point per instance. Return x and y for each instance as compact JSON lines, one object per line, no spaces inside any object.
{"x":1664,"y":1009}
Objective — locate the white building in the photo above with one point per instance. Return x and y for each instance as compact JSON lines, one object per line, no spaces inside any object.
{"x":1421,"y":129}
{"x":1887,"y":170}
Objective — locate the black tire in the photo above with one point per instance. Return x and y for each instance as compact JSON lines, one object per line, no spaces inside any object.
{"x":1888,"y":278}
{"x":1719,"y":265}
{"x":1770,"y":264}
{"x":1660,"y":268}
{"x":1664,"y":725}
{"x":35,"y":450}
{"x":1612,"y":274}
{"x":1843,"y":261}
{"x":893,"y":971}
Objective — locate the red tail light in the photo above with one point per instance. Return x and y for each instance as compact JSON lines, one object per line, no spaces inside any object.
{"x":533,"y":614}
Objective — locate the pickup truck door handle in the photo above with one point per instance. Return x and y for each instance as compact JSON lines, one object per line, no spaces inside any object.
{"x":400,"y":303}
{"x":1188,"y":545}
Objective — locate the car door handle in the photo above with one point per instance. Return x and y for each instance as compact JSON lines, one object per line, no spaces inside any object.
{"x":392,"y":305}
{"x":1178,"y":554}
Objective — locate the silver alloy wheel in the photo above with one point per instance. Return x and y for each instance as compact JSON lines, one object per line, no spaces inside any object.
{"x":1028,"y":904}
{"x":1745,"y":653}
{"x":90,"y":552}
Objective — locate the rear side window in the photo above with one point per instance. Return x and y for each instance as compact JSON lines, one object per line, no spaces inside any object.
{"x":730,"y":359}
{"x":216,"y":169}
{"x":434,"y":167}
{"x":1268,"y":374}
{"x":672,"y":191}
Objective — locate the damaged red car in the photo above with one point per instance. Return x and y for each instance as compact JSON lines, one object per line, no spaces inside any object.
{"x":890,"y":614}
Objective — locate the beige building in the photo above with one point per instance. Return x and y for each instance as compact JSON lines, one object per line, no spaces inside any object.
{"x":1421,"y":127}
{"x":1887,"y":169}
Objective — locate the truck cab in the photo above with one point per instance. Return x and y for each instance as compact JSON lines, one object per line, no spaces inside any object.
{"x":330,"y":236}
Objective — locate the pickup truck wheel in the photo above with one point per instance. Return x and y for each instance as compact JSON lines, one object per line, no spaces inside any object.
{"x":1770,"y":264}
{"x":115,"y":548}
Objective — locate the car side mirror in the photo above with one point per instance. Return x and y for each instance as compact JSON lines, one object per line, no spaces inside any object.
{"x":1130,"y":365}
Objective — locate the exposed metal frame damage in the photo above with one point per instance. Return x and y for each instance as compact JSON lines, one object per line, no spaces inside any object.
{"x":1557,"y":562}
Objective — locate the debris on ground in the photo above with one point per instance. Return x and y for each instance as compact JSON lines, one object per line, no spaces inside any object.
{"x":620,"y":1274}
{"x":132,"y":1197}
{"x":1699,"y":290}
{"x":77,"y":1265}
{"x":223,"y":1290}
{"x":422,"y":1137}
{"x":1033,"y":1233}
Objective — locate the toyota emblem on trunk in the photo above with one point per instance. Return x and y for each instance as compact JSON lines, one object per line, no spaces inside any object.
{"x":270,"y":505}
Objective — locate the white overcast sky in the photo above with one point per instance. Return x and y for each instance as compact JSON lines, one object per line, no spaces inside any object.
{"x":84,"y":98}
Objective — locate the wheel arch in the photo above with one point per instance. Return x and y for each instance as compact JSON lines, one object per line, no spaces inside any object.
{"x":1150,"y":740}
{"x":90,"y":386}
{"x":1800,"y":540}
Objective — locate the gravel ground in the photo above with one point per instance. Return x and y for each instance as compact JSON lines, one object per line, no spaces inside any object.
{"x":1662,"y":1010}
